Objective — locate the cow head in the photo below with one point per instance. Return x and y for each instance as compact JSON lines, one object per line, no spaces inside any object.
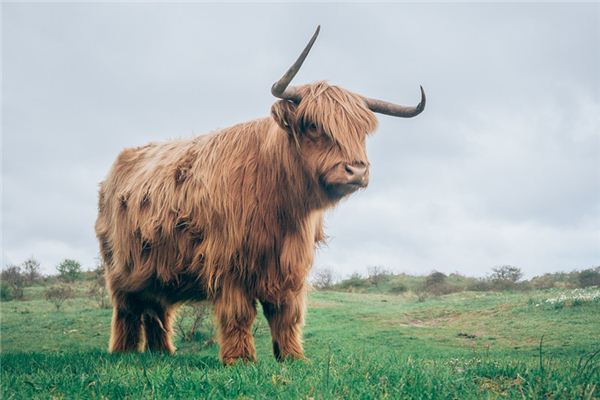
{"x":329,"y":126}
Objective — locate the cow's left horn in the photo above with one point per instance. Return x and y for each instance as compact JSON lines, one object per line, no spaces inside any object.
{"x":383,"y":107}
{"x":280,"y":88}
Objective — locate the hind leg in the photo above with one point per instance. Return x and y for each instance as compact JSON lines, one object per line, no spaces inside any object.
{"x":126,"y":329}
{"x":158,"y":325}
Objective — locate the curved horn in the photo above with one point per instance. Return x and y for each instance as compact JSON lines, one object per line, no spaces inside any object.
{"x":383,"y":107}
{"x":280,"y":88}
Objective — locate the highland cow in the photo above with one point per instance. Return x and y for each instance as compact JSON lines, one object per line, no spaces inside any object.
{"x":233,"y":217}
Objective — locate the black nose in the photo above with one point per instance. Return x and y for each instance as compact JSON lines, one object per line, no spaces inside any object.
{"x":357,"y":173}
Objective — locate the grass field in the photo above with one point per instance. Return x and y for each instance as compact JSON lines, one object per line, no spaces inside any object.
{"x":461,"y":346}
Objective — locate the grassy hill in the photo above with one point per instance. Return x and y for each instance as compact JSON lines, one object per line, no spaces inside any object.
{"x":467,"y":345}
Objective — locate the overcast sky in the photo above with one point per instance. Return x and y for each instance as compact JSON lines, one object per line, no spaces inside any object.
{"x":503,"y":167}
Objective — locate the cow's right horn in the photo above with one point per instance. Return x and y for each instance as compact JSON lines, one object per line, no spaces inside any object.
{"x":280,"y":88}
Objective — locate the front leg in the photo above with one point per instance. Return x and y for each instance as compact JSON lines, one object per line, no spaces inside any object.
{"x":285,"y":321}
{"x":235,"y":312}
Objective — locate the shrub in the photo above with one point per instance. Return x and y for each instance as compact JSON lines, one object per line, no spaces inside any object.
{"x":421,"y":297}
{"x":523,"y":286}
{"x":355,"y":281}
{"x":460,"y":282}
{"x":5,"y":292}
{"x":323,"y":278}
{"x":398,"y":287}
{"x":546,"y":281}
{"x":435,"y":278}
{"x":437,"y":285}
{"x":589,"y":277}
{"x":505,"y":277}
{"x":31,"y":272}
{"x":480,"y":285}
{"x":194,"y":323}
{"x":564,"y":280}
{"x":14,"y":280}
{"x":57,"y":295}
{"x":442,"y":289}
{"x":69,"y":270}
{"x":506,"y":273}
{"x":377,"y":275}
{"x":98,"y":290}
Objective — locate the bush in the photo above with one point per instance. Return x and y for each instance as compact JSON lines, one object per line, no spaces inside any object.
{"x":195,"y":324}
{"x":57,"y":295}
{"x":505,"y":277}
{"x":437,"y":285}
{"x":14,"y":281}
{"x":563,"y":280}
{"x":435,"y":278}
{"x":398,"y":287}
{"x":589,"y":277}
{"x":98,"y":290}
{"x":523,"y":286}
{"x":5,"y":292}
{"x":480,"y":285}
{"x":69,"y":270}
{"x":506,"y":273}
{"x":546,"y":281}
{"x":442,"y":289}
{"x":323,"y":279}
{"x":377,"y":275}
{"x":31,"y":272}
{"x":355,"y":281}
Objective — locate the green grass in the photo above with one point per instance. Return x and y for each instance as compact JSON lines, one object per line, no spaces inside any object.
{"x":460,"y":346}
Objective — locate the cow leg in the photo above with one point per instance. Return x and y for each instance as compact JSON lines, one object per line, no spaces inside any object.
{"x":126,"y":330}
{"x":235,"y":312}
{"x":285,"y":321}
{"x":158,"y":326}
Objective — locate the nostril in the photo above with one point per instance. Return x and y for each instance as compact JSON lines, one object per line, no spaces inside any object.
{"x":356,"y":171}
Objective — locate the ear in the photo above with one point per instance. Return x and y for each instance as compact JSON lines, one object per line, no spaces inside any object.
{"x":284,"y":113}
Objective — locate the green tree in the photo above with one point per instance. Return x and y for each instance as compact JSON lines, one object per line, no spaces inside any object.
{"x":505,"y":277}
{"x":69,"y":270}
{"x":506,"y":273}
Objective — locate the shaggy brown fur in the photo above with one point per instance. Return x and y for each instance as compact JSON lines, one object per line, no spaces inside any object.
{"x":233,"y":217}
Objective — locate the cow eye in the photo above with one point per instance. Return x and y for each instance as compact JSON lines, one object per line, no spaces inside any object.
{"x":312,"y":130}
